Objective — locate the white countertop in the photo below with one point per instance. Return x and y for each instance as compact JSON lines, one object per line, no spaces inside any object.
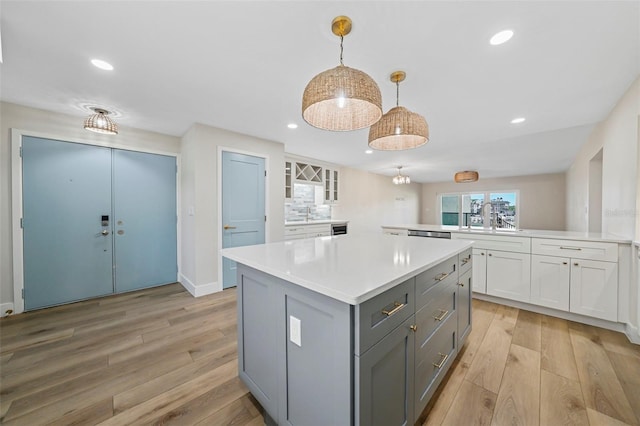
{"x":313,"y":222}
{"x":349,"y":268}
{"x":537,"y":233}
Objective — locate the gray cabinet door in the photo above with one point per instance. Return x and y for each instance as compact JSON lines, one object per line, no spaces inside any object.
{"x":385,"y":380}
{"x":464,"y":307}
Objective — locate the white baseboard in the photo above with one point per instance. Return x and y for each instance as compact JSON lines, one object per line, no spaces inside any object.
{"x":632,"y":333}
{"x":198,"y":290}
{"x":6,"y":309}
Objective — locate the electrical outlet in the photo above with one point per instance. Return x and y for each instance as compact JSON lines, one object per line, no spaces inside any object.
{"x":295,"y":332}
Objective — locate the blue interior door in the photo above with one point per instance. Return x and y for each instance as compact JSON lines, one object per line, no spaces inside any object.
{"x":66,"y":191}
{"x":145,"y":221}
{"x":243,"y":208}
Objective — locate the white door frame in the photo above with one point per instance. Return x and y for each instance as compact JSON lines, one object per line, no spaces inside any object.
{"x":222,"y":149}
{"x":16,"y":201}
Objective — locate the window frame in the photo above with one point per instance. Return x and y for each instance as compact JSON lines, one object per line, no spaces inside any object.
{"x":485,"y":214}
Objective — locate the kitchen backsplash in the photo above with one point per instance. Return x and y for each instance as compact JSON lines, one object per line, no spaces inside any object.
{"x":306,"y":204}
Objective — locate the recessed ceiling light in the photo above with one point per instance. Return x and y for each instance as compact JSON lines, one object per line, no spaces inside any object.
{"x":103,"y":65}
{"x":501,"y":37}
{"x":369,"y":151}
{"x":292,"y":125}
{"x":518,"y":120}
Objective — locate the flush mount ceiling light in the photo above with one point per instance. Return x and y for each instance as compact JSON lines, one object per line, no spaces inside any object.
{"x":466,"y":177}
{"x":518,"y":120}
{"x":292,"y":125}
{"x":103,"y":65}
{"x":100,"y":123}
{"x":501,"y":37}
{"x":341,"y":98}
{"x":399,"y":128}
{"x":401,"y":179}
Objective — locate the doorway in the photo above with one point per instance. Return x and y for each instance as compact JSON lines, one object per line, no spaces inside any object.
{"x":96,"y":221}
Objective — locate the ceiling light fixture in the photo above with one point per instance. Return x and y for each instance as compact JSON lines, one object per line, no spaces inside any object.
{"x":100,"y":123}
{"x":466,"y":177}
{"x":103,"y":65}
{"x":401,"y":179}
{"x":501,"y":37}
{"x":518,"y":120}
{"x":292,"y":125}
{"x":369,"y":151}
{"x":341,"y":98}
{"x":399,"y":128}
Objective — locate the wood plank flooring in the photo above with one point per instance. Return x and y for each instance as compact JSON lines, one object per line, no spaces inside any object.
{"x":160,"y":356}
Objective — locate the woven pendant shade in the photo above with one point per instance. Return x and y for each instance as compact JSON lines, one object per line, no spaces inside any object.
{"x":341,"y":99}
{"x":399,"y":129}
{"x":100,"y":123}
{"x":466,"y":176}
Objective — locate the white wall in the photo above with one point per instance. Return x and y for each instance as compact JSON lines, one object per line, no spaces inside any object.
{"x":617,"y":136}
{"x":541,"y":204}
{"x":369,"y":201}
{"x":200,"y":170}
{"x":63,"y":127}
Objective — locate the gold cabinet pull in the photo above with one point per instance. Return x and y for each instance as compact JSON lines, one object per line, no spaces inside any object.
{"x":443,"y":314}
{"x":397,"y":305}
{"x":442,"y":276}
{"x":413,"y":327}
{"x":466,"y":260}
{"x":443,"y":360}
{"x":461,"y":284}
{"x":233,"y":227}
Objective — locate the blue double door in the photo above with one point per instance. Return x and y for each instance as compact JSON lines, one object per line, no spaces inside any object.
{"x":96,"y":221}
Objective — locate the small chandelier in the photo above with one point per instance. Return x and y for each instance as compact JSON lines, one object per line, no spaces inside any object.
{"x":401,"y":179}
{"x":341,"y":98}
{"x":399,"y":128}
{"x":466,"y":177}
{"x":100,"y":123}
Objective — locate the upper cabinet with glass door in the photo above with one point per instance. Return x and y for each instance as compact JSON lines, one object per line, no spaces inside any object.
{"x":330,"y":186}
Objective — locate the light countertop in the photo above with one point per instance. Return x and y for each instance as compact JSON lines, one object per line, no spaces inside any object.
{"x":349,"y":268}
{"x":313,"y":222}
{"x":537,"y":233}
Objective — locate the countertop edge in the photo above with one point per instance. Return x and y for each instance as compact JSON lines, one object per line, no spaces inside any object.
{"x":315,"y":222}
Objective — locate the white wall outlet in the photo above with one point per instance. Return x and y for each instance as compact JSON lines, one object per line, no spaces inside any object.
{"x":295,"y":332}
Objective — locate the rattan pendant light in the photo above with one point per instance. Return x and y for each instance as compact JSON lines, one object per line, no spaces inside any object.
{"x":341,"y":98}
{"x":399,"y":128}
{"x":100,"y":123}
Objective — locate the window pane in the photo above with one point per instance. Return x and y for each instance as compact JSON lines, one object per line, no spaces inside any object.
{"x":475,"y":202}
{"x":503,"y":209}
{"x":450,"y":209}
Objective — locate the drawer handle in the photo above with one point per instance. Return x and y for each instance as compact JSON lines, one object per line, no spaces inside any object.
{"x":570,"y":248}
{"x":443,"y":360}
{"x":398,"y":306}
{"x":465,"y":260}
{"x":564,"y":263}
{"x":443,"y":314}
{"x":442,"y":276}
{"x":575,"y":264}
{"x":413,"y":327}
{"x":461,"y":284}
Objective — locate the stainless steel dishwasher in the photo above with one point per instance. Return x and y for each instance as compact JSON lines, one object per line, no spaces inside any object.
{"x":429,"y":234}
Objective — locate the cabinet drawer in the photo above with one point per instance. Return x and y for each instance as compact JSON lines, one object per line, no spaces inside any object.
{"x":432,"y":360}
{"x":439,"y":307}
{"x":464,"y":261}
{"x":395,"y":231}
{"x":378,"y":316}
{"x":446,"y":270}
{"x":589,"y":250}
{"x":299,"y":231}
{"x":497,"y":242}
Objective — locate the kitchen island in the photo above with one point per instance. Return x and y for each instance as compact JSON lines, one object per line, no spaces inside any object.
{"x":350,"y":329}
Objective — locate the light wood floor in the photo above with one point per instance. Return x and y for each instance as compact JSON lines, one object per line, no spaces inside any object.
{"x":159,"y":356}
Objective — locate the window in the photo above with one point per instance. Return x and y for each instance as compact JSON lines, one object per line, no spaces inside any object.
{"x":470,"y":209}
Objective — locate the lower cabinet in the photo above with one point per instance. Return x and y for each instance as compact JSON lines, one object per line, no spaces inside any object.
{"x":550,"y":281}
{"x":594,"y":289}
{"x":299,"y":232}
{"x":479,"y":270}
{"x":509,"y":275}
{"x":463,"y":305}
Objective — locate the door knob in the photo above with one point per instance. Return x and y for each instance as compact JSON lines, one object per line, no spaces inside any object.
{"x":105,"y":232}
{"x":229,"y":227}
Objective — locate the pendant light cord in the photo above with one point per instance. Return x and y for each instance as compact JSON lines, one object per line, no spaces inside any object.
{"x":397,"y":93}
{"x":341,"y":48}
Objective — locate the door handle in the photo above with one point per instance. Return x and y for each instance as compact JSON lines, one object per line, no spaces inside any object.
{"x":229,"y":227}
{"x":105,"y":232}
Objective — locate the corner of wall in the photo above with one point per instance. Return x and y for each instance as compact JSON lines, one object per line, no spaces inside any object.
{"x":199,"y":290}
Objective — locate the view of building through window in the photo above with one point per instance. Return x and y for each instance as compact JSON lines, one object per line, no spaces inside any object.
{"x":472,"y":209}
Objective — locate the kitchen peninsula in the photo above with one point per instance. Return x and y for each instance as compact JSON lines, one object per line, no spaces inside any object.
{"x":353,"y":329}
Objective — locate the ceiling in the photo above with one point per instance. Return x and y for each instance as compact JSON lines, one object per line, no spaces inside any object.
{"x":243,"y":66}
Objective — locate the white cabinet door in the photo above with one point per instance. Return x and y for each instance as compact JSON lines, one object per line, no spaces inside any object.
{"x":550,"y":281}
{"x":479,"y":271}
{"x":594,"y":289}
{"x":509,"y":275}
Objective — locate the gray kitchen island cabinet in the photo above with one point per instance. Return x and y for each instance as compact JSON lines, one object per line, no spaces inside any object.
{"x":349,"y":330}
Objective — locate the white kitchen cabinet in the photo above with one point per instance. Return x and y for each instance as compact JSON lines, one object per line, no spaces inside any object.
{"x":479,"y":270}
{"x":594,"y":289}
{"x":395,"y":231}
{"x":331,"y":179}
{"x":550,"y":281}
{"x":297,"y":232}
{"x":509,"y":275}
{"x":288,"y":182}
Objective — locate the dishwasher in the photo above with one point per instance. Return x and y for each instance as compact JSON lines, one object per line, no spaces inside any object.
{"x":429,"y":234}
